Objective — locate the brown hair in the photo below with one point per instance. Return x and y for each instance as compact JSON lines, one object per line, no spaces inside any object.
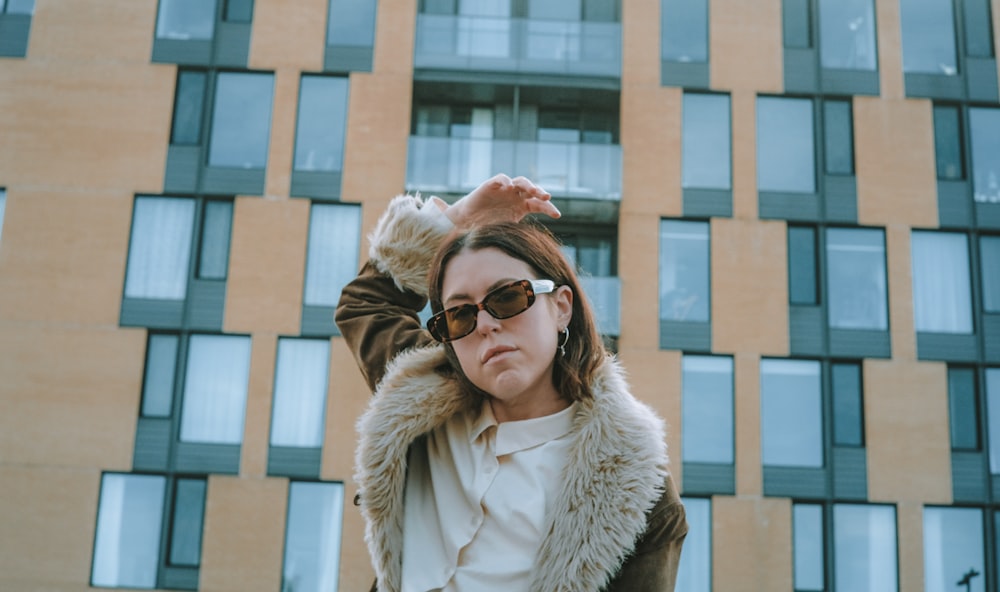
{"x":533,"y":244}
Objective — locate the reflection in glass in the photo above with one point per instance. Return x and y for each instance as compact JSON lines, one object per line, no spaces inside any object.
{"x":300,"y":386}
{"x":847,"y":34}
{"x":215,"y":389}
{"x":942,"y":297}
{"x":158,"y":384}
{"x":319,"y":134}
{"x":993,"y":417}
{"x":948,"y":143}
{"x":694,"y":574}
{"x":802,"y":288}
{"x":707,"y":405}
{"x":963,"y":409}
{"x":188,"y":102}
{"x":807,"y":542}
{"x":351,"y":23}
{"x":706,"y":142}
{"x":786,"y":153}
{"x":186,"y":19}
{"x":953,"y":545}
{"x":129,"y":519}
{"x":791,"y":413}
{"x":848,"y":414}
{"x":3,"y":208}
{"x":864,"y":540}
{"x":989,"y":260}
{"x":160,"y":248}
{"x":978,"y":36}
{"x":838,"y":137}
{"x":928,"y":28}
{"x":684,"y":271}
{"x":189,"y":513}
{"x":856,"y":279}
{"x":984,"y":137}
{"x":312,"y":537}
{"x":684,"y":30}
{"x":213,"y":260}
{"x":332,"y":257}
{"x":238,"y":11}
{"x":241,"y":120}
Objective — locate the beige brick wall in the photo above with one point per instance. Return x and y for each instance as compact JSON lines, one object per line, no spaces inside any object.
{"x":745,"y":45}
{"x":760,"y":556}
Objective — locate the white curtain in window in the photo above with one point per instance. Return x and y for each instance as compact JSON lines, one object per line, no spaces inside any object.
{"x":334,"y":240}
{"x":864,"y":548}
{"x":472,"y":149}
{"x":215,"y":389}
{"x":694,"y":574}
{"x":300,"y":386}
{"x":807,"y":542}
{"x":953,"y":544}
{"x":942,"y":298}
{"x":159,"y":251}
{"x":312,"y":538}
{"x":129,"y":518}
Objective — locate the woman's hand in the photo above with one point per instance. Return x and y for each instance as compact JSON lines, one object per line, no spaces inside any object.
{"x":501,"y":199}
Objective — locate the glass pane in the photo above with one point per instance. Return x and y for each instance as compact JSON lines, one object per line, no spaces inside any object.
{"x":802,"y":265}
{"x":838,"y":135}
{"x":953,"y":547}
{"x":129,"y":521}
{"x":993,"y":417}
{"x":847,"y":34}
{"x":684,"y":271}
{"x":351,"y":23}
{"x":215,"y":389}
{"x":864,"y":555}
{"x":706,"y":142}
{"x":707,"y":404}
{"x":963,"y":409}
{"x":856,"y":279}
{"x":213,"y":264}
{"x":241,"y":120}
{"x":989,"y":262}
{"x":319,"y":135}
{"x":786,"y":155}
{"x":159,"y":253}
{"x":694,"y":574}
{"x":239,"y":11}
{"x":300,"y":386}
{"x":19,"y":6}
{"x":188,"y":104}
{"x":807,"y":539}
{"x":984,"y":137}
{"x":189,"y":513}
{"x":186,"y":19}
{"x":312,"y":538}
{"x":334,"y":243}
{"x":948,"y":143}
{"x":928,"y":28}
{"x":797,"y":25}
{"x":791,"y":413}
{"x":942,"y":298}
{"x":158,"y":385}
{"x":978,"y":36}
{"x":3,"y":209}
{"x":684,"y":30}
{"x":848,"y":414}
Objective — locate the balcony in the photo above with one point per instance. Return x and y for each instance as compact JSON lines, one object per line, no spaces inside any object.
{"x":564,"y":169}
{"x":512,"y":45}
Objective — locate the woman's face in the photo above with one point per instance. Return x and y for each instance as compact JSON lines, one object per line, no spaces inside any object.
{"x":511,"y":359}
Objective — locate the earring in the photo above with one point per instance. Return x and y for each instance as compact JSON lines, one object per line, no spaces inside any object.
{"x":565,"y":340}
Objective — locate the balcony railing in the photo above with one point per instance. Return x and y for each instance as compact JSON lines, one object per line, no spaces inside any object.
{"x":518,"y":45}
{"x":605,"y":294}
{"x":564,"y":169}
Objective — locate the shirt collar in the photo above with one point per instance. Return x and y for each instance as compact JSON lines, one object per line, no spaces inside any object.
{"x":515,"y":436}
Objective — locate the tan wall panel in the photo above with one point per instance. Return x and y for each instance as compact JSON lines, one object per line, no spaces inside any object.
{"x":749,"y":286}
{"x":894,"y":144}
{"x":281,"y":146}
{"x":906,"y":431}
{"x":63,"y":256}
{"x":640,"y":43}
{"x":651,"y":148}
{"x":267,"y":264}
{"x":347,"y":397}
{"x":890,"y":49}
{"x":899,"y":267}
{"x":910,"y":529}
{"x":745,"y":45}
{"x":395,"y":33}
{"x":284,"y":38}
{"x":244,"y":534}
{"x":638,"y":268}
{"x":48,"y":518}
{"x":87,"y":30}
{"x":744,"y":118}
{"x":746,"y":379}
{"x":260,"y":390}
{"x":69,"y":395}
{"x":759,"y":557}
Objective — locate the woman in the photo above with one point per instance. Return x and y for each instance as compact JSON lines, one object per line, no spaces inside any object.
{"x":502,"y":449}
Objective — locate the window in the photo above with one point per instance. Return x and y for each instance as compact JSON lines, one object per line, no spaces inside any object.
{"x":838,"y":137}
{"x":215,"y":389}
{"x":160,"y":248}
{"x":592,"y":252}
{"x":929,"y":43}
{"x":684,"y":30}
{"x":993,"y":417}
{"x":238,"y":11}
{"x":963,"y":409}
{"x":942,"y":299}
{"x":694,"y":574}
{"x":989,"y":262}
{"x":334,"y":242}
{"x":300,"y":386}
{"x":241,"y":120}
{"x":791,"y":413}
{"x":978,"y":36}
{"x":186,"y":525}
{"x":984,"y":140}
{"x":312,"y":537}
{"x":847,"y":34}
{"x":707,"y":409}
{"x":158,"y":384}
{"x":953,"y":546}
{"x":948,"y":143}
{"x":848,"y":407}
{"x":864,"y":555}
{"x":807,"y":548}
{"x":319,"y":135}
{"x":186,"y":19}
{"x":785,"y":145}
{"x":802,"y":265}
{"x":17,"y":6}
{"x":684,"y":271}
{"x":351,"y":23}
{"x":856,"y":279}
{"x":190,"y":96}
{"x":3,"y":210}
{"x":216,"y":225}
{"x":706,"y":142}
{"x":15,"y":27}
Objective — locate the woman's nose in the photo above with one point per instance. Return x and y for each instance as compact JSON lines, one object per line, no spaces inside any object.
{"x":486,"y":323}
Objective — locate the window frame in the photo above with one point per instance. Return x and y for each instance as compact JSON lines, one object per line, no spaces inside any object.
{"x":689,"y":335}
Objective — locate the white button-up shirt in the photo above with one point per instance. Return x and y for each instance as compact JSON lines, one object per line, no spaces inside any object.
{"x":476,"y":500}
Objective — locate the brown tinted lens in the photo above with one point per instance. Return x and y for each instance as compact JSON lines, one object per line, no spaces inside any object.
{"x":508,"y":301}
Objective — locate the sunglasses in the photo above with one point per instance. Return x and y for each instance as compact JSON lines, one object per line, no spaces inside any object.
{"x":502,"y":303}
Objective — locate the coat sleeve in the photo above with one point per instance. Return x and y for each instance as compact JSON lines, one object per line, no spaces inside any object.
{"x":377,"y":312}
{"x":652,"y":567}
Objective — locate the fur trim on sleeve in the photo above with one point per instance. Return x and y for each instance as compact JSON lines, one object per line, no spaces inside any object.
{"x":406,"y":239}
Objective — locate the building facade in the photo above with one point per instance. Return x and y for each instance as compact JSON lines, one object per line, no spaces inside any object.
{"x":786,"y":214}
